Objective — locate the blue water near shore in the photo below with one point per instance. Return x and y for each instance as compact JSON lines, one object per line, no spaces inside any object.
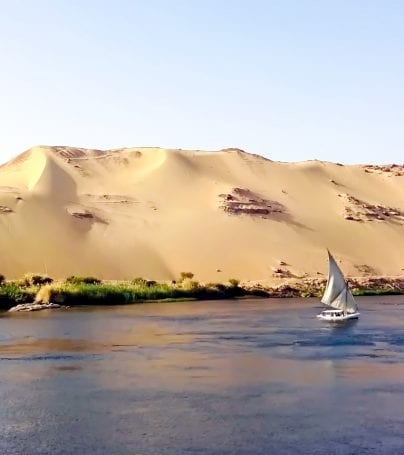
{"x":203,"y":378}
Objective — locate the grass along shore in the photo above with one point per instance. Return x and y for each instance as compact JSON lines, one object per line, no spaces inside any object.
{"x":76,"y":291}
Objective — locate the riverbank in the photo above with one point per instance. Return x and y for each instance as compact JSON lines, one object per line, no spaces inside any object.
{"x":90,"y":291}
{"x":76,"y":291}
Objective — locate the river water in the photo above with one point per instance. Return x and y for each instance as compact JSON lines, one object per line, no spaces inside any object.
{"x":226,"y":377}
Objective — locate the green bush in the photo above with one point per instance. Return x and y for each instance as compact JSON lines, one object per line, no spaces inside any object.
{"x":33,"y":279}
{"x":110,"y":294}
{"x":191,"y":285}
{"x":82,"y":280}
{"x":139,"y":281}
{"x":219,"y":286}
{"x":234,"y":282}
{"x":12,"y":294}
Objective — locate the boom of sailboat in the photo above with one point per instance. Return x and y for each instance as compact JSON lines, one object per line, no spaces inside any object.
{"x":337,"y":296}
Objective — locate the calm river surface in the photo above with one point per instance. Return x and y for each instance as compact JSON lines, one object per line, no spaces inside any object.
{"x":230,"y":377}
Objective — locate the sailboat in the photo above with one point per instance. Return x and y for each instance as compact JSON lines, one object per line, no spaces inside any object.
{"x":337,"y":296}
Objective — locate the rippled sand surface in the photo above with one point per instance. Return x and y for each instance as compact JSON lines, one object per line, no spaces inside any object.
{"x":247,"y":377}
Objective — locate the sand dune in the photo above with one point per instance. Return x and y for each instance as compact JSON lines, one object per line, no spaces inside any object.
{"x":153,"y":212}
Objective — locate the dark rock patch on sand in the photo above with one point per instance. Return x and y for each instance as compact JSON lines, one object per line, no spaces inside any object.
{"x":358,"y":210}
{"x":242,"y":201}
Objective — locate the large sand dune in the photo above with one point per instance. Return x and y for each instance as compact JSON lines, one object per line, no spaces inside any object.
{"x":153,"y":212}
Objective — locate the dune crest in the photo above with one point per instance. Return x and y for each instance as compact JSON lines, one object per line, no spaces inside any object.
{"x":155,"y":212}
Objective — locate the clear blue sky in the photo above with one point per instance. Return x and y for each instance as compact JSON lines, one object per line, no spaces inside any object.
{"x":288,"y":79}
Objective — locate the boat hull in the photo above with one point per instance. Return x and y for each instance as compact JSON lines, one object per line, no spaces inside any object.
{"x":337,"y":317}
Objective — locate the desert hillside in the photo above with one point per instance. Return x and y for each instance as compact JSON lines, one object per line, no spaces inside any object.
{"x":152,"y":212}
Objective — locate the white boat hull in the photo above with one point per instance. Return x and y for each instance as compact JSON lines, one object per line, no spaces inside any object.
{"x":337,"y":317}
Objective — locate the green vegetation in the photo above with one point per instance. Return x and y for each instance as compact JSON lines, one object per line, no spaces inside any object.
{"x":32,"y":279}
{"x":82,"y":280}
{"x":13,"y":293}
{"x":377,"y":291}
{"x":92,"y":291}
{"x":139,"y":281}
{"x":77,"y":290}
{"x":186,"y":275}
{"x":72,"y":294}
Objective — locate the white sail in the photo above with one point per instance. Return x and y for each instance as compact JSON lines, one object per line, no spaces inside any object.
{"x":337,"y":294}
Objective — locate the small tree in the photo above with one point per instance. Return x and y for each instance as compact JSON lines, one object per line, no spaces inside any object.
{"x":234,"y":282}
{"x":185,"y":275}
{"x":2,"y":279}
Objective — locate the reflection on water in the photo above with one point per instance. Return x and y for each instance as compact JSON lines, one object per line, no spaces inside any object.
{"x":31,"y":346}
{"x":250,"y":377}
{"x":150,"y":334}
